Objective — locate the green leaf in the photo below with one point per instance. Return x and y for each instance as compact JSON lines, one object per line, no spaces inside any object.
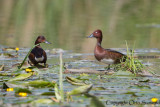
{"x":123,"y":73}
{"x":40,"y":84}
{"x":81,"y":90}
{"x":57,"y":92}
{"x":48,"y":94}
{"x":75,"y":81}
{"x":147,"y":80}
{"x":42,"y":101}
{"x":18,"y":90}
{"x":140,"y":87}
{"x":99,"y":88}
{"x":21,"y":77}
{"x":94,"y":101}
{"x":132,"y":93}
{"x":1,"y":67}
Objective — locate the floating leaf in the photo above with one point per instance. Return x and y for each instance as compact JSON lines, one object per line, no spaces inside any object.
{"x":75,"y":81}
{"x":81,"y":90}
{"x":132,"y":93}
{"x":24,"y":90}
{"x":94,"y":101}
{"x":9,"y":49}
{"x":83,"y":74}
{"x":15,"y":84}
{"x":2,"y":67}
{"x":123,"y":73}
{"x":140,"y":87}
{"x":21,"y":77}
{"x":40,"y":84}
{"x":99,"y":88}
{"x":9,"y":55}
{"x":48,"y":93}
{"x":25,"y":65}
{"x":42,"y":101}
{"x":147,"y":80}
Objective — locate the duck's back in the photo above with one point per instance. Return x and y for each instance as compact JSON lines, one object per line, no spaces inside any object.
{"x":115,"y":55}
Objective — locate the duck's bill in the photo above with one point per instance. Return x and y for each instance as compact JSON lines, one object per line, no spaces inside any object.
{"x":91,"y":36}
{"x":47,"y":42}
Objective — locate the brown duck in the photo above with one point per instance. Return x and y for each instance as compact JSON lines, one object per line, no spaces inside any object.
{"x":38,"y":55}
{"x":107,"y":56}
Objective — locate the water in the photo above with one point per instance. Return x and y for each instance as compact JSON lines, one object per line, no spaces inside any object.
{"x":66,"y":24}
{"x":110,"y":90}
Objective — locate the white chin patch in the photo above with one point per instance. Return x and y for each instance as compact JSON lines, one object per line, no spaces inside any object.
{"x":107,"y":61}
{"x":39,"y":59}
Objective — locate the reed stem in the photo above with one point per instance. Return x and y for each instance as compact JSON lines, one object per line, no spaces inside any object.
{"x":61,"y":78}
{"x":19,"y":67}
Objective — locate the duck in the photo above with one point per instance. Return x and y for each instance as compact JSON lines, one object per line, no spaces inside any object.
{"x":107,"y":56}
{"x":38,"y":55}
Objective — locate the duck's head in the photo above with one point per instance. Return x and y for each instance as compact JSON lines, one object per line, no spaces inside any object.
{"x":96,"y":34}
{"x":41,"y":39}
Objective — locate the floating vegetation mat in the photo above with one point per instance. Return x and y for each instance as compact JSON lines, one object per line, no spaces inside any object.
{"x":85,"y":81}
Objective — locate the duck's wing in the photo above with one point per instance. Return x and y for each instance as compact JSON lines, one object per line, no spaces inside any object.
{"x":115,"y":52}
{"x":45,"y":57}
{"x":115,"y":55}
{"x":32,"y":58}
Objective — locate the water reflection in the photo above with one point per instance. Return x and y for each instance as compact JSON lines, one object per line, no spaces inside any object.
{"x":66,"y":23}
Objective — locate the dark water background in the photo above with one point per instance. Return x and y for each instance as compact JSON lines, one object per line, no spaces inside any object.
{"x":66,"y":23}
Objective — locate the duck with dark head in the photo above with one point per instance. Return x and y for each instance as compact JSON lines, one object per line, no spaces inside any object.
{"x":107,"y":56}
{"x":38,"y":55}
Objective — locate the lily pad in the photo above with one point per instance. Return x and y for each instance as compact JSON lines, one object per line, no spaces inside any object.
{"x":18,"y":90}
{"x":42,"y":101}
{"x":95,"y":102}
{"x":147,"y":80}
{"x":140,"y":87}
{"x":48,"y":94}
{"x":81,"y":90}
{"x":40,"y":84}
{"x":9,"y":49}
{"x":1,"y":67}
{"x":75,"y":81}
{"x":21,"y":77}
{"x":123,"y":73}
{"x":99,"y":88}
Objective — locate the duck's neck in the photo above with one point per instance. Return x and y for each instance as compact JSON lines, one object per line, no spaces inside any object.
{"x":37,"y":42}
{"x":99,"y":40}
{"x":98,"y":48}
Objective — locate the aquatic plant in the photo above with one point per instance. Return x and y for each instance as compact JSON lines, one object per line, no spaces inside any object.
{"x":59,"y":91}
{"x":131,"y":63}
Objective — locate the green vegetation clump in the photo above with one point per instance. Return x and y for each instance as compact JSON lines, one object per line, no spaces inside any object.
{"x":131,"y":63}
